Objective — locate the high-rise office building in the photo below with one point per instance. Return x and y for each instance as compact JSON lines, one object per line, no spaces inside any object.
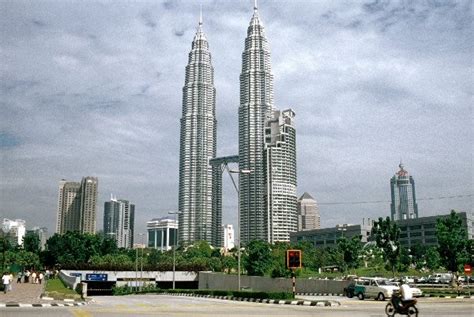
{"x":77,"y":206}
{"x":118,"y":220}
{"x":267,"y":148}
{"x":402,"y":187}
{"x":197,"y":144}
{"x":280,"y":171}
{"x":308,"y":213}
{"x":256,"y":105}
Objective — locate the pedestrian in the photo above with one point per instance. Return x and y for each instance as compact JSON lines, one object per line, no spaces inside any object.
{"x":27,"y":276}
{"x":10,"y":285}
{"x":33,"y":277}
{"x":40,"y":277}
{"x":19,"y":277}
{"x":5,"y":281}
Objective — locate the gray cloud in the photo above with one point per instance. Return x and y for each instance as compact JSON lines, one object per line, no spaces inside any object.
{"x":93,"y":89}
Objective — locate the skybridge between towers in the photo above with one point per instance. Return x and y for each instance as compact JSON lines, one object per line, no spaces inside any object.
{"x":219,"y":165}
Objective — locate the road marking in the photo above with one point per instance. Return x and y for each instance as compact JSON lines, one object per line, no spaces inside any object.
{"x":81,"y":313}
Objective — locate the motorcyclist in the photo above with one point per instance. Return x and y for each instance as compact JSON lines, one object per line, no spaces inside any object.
{"x":405,"y":295}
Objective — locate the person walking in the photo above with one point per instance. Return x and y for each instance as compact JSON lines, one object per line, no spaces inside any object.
{"x":19,"y":277}
{"x":6,"y":282}
{"x":40,"y":277}
{"x":10,"y":285}
{"x":27,"y":276}
{"x":33,"y":277}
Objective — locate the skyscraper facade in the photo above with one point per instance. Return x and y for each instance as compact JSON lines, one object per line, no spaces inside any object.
{"x":280,"y":171}
{"x":308,"y":213}
{"x":267,"y":148}
{"x":197,"y":144}
{"x":402,"y":187}
{"x":256,"y":105}
{"x":77,"y":206}
{"x":118,"y":220}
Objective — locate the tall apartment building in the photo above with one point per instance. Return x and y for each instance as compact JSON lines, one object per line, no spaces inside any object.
{"x":266,"y":198}
{"x":197,"y":145}
{"x":77,"y":206}
{"x":308,"y":213}
{"x":162,"y":233}
{"x":280,"y":176}
{"x":119,"y":218}
{"x":402,"y":187}
{"x":42,"y":233}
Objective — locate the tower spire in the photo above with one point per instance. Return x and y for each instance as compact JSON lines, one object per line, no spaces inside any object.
{"x":255,"y":6}
{"x":200,"y":16}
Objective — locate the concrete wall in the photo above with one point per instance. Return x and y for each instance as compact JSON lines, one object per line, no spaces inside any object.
{"x":70,"y":281}
{"x":266,"y":284}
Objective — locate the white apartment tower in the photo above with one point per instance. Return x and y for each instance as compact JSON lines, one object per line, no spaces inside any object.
{"x":197,"y":144}
{"x":280,"y":168}
{"x":229,"y":236}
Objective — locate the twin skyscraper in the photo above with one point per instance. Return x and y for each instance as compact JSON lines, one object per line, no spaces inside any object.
{"x":267,"y":149}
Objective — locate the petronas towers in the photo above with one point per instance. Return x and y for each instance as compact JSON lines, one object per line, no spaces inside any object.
{"x":267,"y":149}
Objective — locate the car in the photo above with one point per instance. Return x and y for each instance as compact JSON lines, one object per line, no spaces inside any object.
{"x":349,"y":290}
{"x":376,"y":288}
{"x":440,"y":278}
{"x":416,"y":292}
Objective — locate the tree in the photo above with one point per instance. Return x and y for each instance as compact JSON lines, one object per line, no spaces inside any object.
{"x":387,"y":235}
{"x":432,"y":258}
{"x":452,"y":238}
{"x":257,"y":260}
{"x":350,"y":249}
{"x":31,"y":242}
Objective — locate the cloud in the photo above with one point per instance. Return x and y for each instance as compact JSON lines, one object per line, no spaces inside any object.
{"x":93,"y":89}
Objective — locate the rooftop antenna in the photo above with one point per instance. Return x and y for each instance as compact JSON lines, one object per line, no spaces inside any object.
{"x":255,"y":6}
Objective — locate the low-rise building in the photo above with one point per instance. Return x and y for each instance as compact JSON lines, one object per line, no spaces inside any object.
{"x":327,"y":237}
{"x":423,"y":230}
{"x":162,"y":233}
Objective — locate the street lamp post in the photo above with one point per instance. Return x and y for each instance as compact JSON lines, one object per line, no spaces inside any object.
{"x":237,"y":188}
{"x":175,"y":244}
{"x":141,"y":260}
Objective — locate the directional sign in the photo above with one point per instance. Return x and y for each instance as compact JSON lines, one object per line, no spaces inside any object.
{"x":76,"y":274}
{"x":467,"y":269}
{"x":96,"y":277}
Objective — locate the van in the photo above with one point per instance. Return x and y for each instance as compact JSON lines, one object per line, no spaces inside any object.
{"x":440,"y":278}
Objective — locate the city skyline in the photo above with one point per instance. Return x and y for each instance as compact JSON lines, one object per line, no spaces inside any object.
{"x":95,"y":89}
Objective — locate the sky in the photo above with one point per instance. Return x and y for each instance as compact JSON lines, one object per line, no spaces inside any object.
{"x":94,"y":88}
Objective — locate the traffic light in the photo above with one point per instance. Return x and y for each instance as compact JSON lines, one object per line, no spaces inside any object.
{"x":293,"y":259}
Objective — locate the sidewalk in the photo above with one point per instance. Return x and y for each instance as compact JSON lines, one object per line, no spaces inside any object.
{"x":23,"y":293}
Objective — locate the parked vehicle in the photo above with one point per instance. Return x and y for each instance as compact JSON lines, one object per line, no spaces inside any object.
{"x":440,"y":278}
{"x":378,"y":289}
{"x":416,"y":291}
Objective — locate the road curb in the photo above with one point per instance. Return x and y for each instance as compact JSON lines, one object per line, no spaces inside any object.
{"x":12,"y":304}
{"x":320,"y":303}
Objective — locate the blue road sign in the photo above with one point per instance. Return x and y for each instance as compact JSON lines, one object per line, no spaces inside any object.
{"x":96,"y":277}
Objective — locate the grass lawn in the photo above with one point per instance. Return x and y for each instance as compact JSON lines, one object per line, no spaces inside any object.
{"x":56,"y":289}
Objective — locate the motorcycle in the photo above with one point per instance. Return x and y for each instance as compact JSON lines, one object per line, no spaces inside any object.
{"x":399,"y":306}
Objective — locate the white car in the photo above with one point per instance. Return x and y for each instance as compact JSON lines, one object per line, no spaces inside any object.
{"x":416,"y":291}
{"x":378,"y":289}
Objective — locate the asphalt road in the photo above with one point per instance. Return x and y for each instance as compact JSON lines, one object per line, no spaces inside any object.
{"x":161,"y":305}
